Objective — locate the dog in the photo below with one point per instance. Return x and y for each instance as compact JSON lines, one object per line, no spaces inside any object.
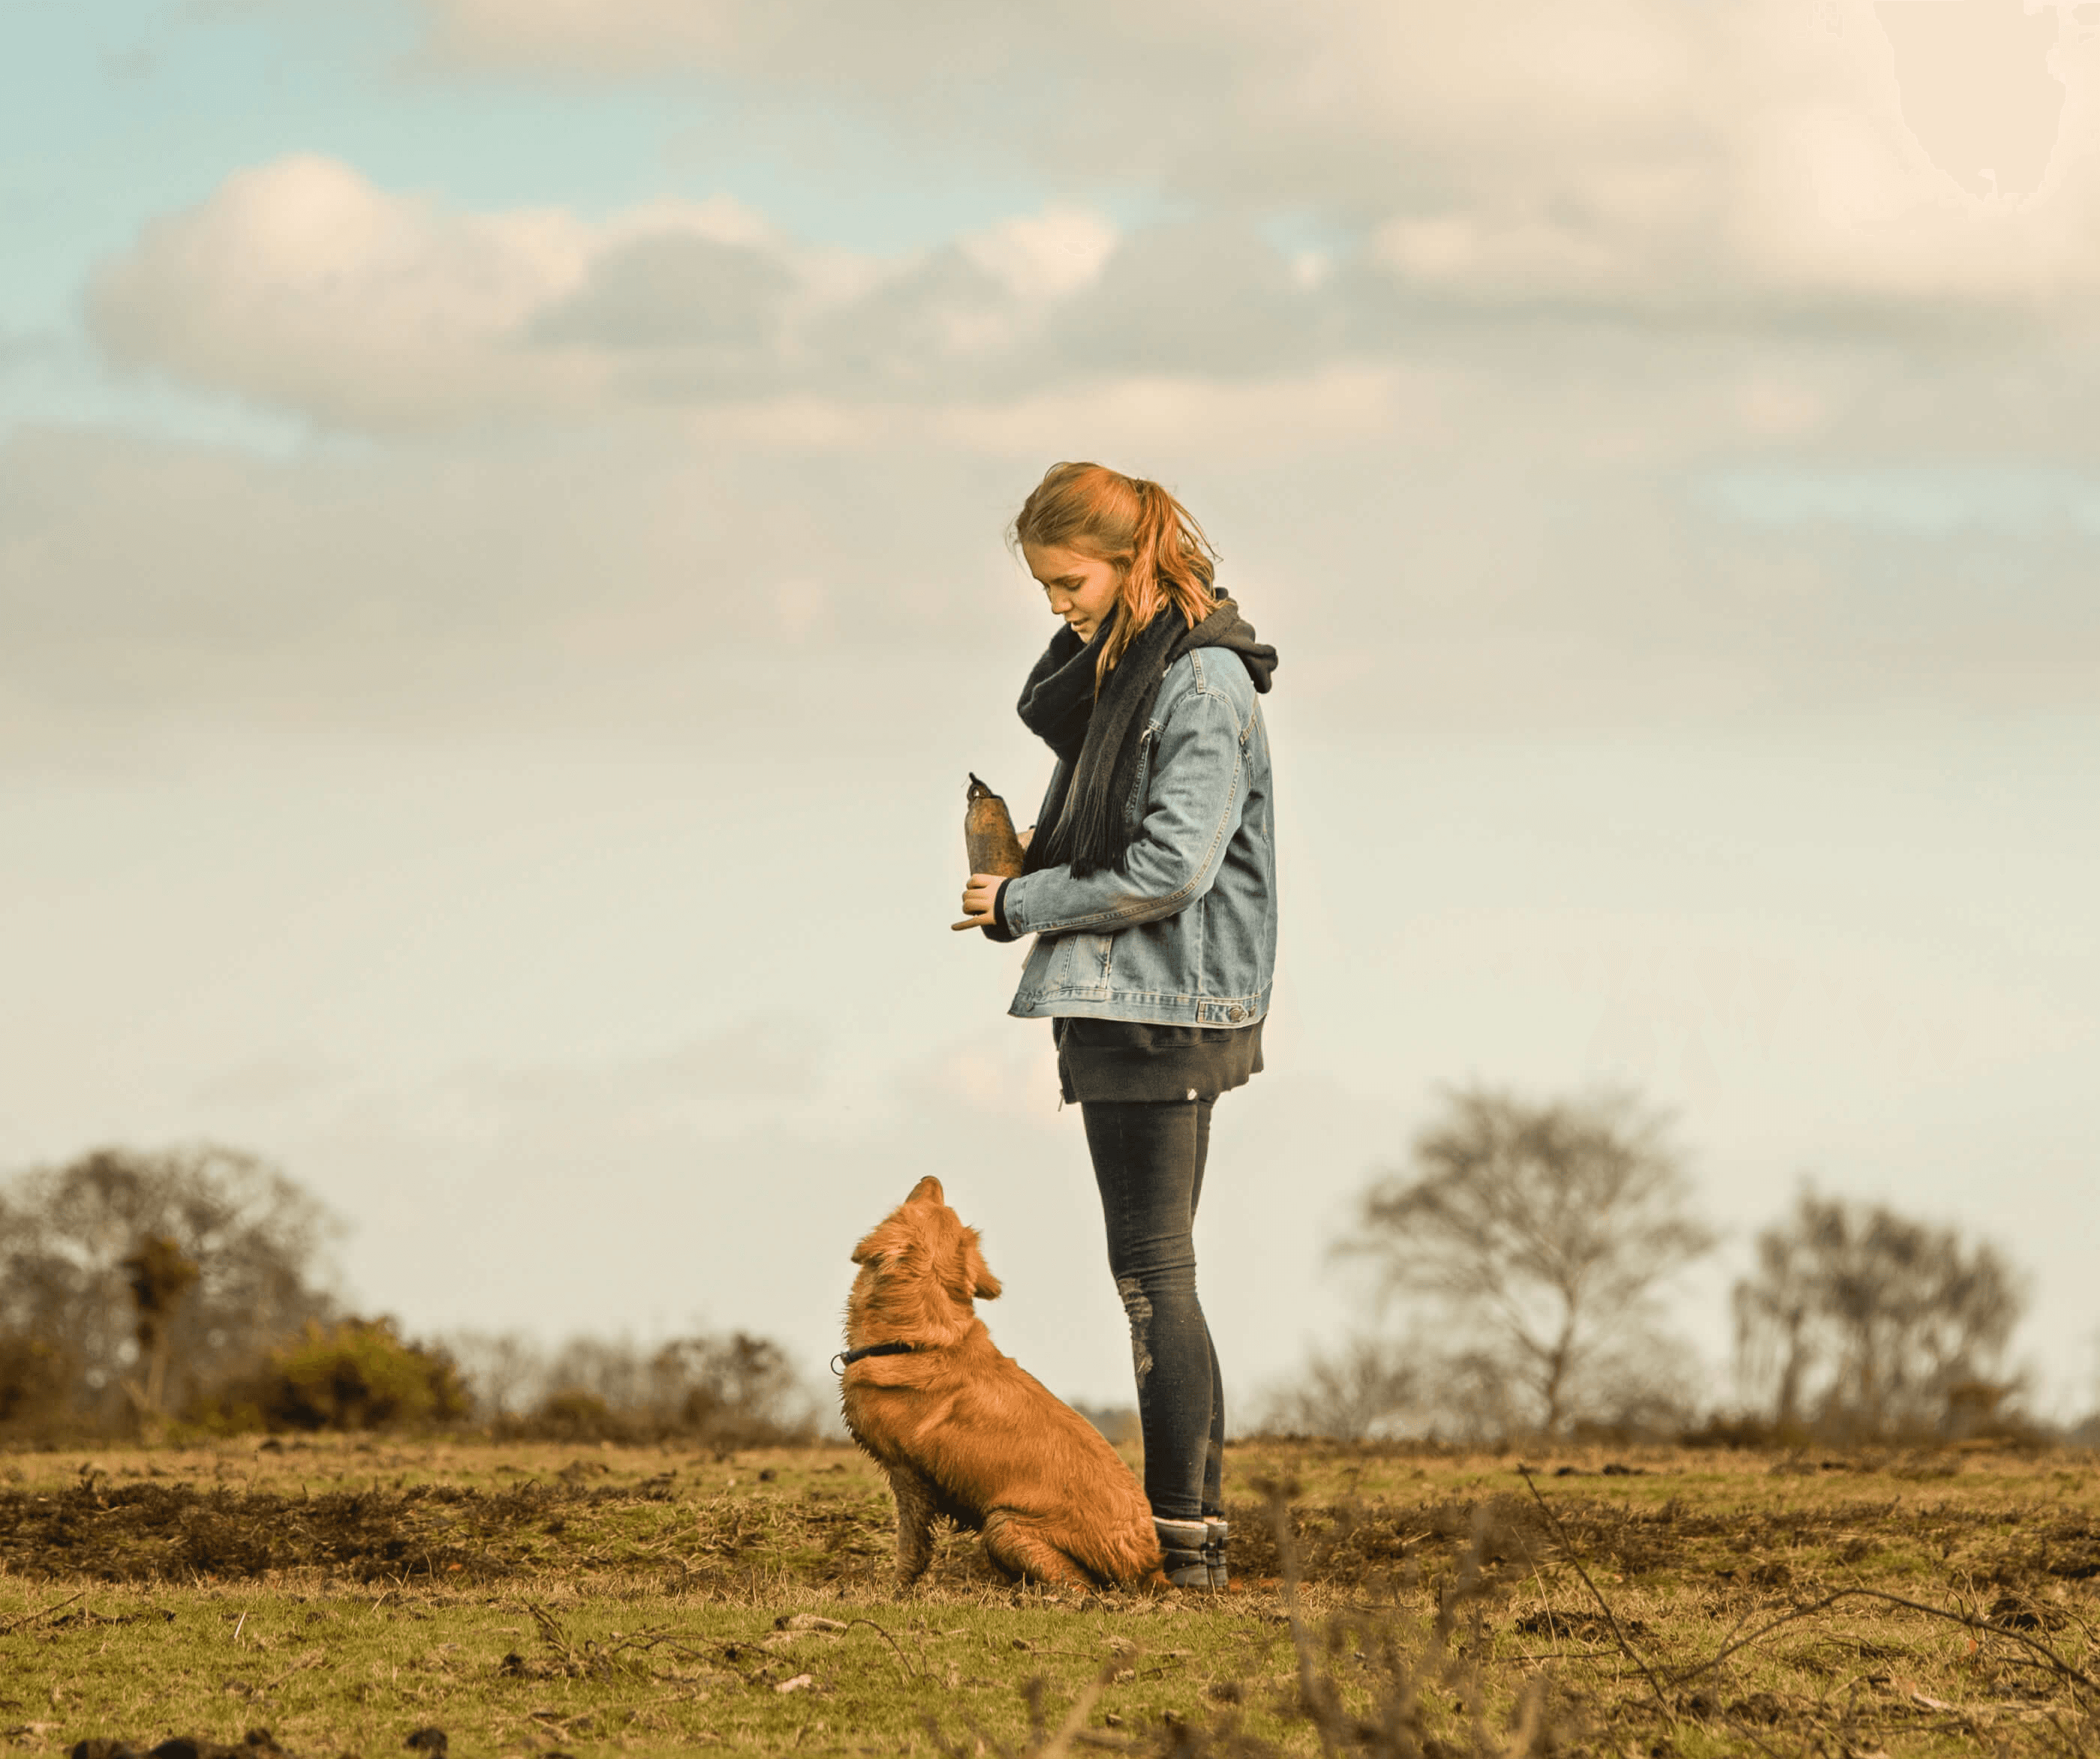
{"x":961,"y":1430}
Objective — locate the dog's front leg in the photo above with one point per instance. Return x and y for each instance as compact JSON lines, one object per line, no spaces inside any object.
{"x":914,"y":1523}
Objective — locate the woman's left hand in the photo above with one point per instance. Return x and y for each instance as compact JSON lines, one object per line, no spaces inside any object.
{"x":980,"y":898}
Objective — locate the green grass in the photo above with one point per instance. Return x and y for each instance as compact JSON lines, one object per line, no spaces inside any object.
{"x":532,"y":1598}
{"x":353,"y":1672}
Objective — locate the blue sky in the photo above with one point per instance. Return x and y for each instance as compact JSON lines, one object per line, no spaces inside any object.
{"x":113,"y":114}
{"x":500,"y":513}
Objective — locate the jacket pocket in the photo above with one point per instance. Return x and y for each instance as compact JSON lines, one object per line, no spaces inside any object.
{"x":1076,"y":962}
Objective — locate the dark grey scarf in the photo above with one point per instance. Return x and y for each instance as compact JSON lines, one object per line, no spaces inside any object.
{"x":1097,"y":740}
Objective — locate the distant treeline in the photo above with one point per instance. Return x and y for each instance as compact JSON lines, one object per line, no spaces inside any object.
{"x":175,"y":1292}
{"x":1517,"y":1263}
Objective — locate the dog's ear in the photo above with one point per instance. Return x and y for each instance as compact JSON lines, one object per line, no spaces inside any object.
{"x":976,"y":1273}
{"x":890,"y":1239}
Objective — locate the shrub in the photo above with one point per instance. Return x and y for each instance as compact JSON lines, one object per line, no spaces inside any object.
{"x":725,"y":1392}
{"x":34,"y":1375}
{"x":359,"y":1374}
{"x":573,"y":1415}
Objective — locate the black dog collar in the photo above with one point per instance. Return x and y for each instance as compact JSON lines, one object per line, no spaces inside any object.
{"x":846,"y":1358}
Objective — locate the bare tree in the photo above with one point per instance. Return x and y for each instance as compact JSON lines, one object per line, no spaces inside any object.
{"x":615,"y":1369}
{"x":91,"y":1257}
{"x":160,"y":1274}
{"x":1382,"y":1388}
{"x":506,"y":1370}
{"x":738,"y":1386}
{"x":1857,"y":1318}
{"x":1777,"y":1315}
{"x":1542,"y":1231}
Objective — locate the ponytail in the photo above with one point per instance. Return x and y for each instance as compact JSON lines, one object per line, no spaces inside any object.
{"x":1159,"y":550}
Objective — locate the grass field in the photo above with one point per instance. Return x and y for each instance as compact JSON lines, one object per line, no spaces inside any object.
{"x":345,"y":1594}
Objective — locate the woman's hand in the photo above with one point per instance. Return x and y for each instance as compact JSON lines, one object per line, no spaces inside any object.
{"x":980,"y":899}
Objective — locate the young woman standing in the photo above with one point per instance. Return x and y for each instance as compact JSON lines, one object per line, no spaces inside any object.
{"x":1150,"y":884}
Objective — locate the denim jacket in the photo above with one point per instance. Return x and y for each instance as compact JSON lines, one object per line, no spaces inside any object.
{"x":1185,"y":931}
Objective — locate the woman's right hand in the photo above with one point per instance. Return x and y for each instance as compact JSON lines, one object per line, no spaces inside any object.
{"x":980,"y":902}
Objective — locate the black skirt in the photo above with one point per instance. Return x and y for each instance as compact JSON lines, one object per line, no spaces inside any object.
{"x":1137,"y":1060}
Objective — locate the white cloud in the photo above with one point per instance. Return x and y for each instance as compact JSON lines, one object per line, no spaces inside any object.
{"x":1044,"y":255}
{"x":1395,"y":409}
{"x":1645,"y":154}
{"x":1746,"y":169}
{"x":301,"y":285}
{"x":1521,"y":527}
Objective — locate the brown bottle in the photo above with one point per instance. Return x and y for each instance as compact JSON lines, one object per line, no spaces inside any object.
{"x":988,"y":838}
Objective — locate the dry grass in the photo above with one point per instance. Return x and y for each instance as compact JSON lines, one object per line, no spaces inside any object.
{"x":533,"y":1598}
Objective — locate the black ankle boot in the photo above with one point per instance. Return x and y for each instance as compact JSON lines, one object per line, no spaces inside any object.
{"x":1217,"y":1531}
{"x":1182,"y":1544}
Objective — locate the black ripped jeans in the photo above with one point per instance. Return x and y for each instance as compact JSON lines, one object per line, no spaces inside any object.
{"x":1148,"y":1163}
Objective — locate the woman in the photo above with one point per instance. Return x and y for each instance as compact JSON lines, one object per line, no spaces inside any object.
{"x":1150,"y":885}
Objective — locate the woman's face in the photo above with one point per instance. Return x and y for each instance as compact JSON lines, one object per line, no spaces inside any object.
{"x":1082,"y":589}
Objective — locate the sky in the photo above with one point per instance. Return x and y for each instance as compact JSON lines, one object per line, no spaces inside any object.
{"x":502,"y":584}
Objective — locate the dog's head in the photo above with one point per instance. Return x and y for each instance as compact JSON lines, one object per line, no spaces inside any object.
{"x":920,"y":1270}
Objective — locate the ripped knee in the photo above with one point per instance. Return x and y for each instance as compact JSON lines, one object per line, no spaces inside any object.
{"x":1137,"y":1305}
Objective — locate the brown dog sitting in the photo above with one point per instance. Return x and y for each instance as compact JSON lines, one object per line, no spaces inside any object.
{"x":962,"y":1431}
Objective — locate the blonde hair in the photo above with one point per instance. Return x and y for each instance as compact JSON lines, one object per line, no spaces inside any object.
{"x":1158,"y":549}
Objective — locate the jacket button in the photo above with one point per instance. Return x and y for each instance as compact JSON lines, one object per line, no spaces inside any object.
{"x":1237,"y":1014}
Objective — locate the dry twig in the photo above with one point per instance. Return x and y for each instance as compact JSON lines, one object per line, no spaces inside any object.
{"x":1968,"y":1620}
{"x":1308,"y":1678}
{"x":900,"y":1661}
{"x":1611,"y":1618}
{"x":31,"y":1618}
